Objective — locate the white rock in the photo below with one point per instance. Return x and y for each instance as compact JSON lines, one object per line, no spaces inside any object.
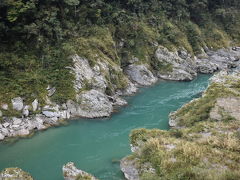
{"x":14,"y":174}
{"x":129,"y":168}
{"x":15,"y":126}
{"x":82,"y":70}
{"x":17,"y":121}
{"x":23,"y":132}
{"x":72,"y":108}
{"x":131,"y":89}
{"x":64,"y":106}
{"x":65,"y":114}
{"x":26,"y":111}
{"x":17,"y":103}
{"x":70,"y":172}
{"x":5,"y":124}
{"x":140,"y":74}
{"x":35,"y":105}
{"x":133,"y":60}
{"x":51,"y":91}
{"x":180,"y":66}
{"x":5,"y":131}
{"x":50,"y":114}
{"x":119,"y":102}
{"x":94,"y":104}
{"x":68,"y":115}
{"x":2,"y":136}
{"x":4,"y":106}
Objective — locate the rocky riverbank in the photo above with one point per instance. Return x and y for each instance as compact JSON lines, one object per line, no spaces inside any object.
{"x":203,"y":143}
{"x":70,"y":172}
{"x":100,"y":87}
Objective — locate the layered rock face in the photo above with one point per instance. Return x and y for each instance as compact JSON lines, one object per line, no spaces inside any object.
{"x":70,"y":172}
{"x":178,"y":66}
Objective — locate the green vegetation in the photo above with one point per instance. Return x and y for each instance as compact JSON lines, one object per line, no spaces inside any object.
{"x":15,"y":173}
{"x":199,"y":109}
{"x":208,"y":150}
{"x":37,"y":38}
{"x":205,"y":149}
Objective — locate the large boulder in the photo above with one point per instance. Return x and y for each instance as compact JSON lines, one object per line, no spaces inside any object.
{"x":35,"y":105}
{"x":178,"y":66}
{"x":14,"y":174}
{"x":17,"y":103}
{"x":92,"y":104}
{"x":129,"y":169}
{"x":25,"y":111}
{"x":140,"y":74}
{"x":70,"y":172}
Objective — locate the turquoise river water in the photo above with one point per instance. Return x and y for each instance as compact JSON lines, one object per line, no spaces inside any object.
{"x":96,"y":146}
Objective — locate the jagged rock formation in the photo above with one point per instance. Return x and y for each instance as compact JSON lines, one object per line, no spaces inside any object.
{"x":129,"y":169}
{"x":70,"y":172}
{"x":14,"y":174}
{"x":94,"y":104}
{"x":178,"y":66}
{"x":221,"y":59}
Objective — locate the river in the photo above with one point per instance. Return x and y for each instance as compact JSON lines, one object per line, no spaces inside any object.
{"x":96,"y":146}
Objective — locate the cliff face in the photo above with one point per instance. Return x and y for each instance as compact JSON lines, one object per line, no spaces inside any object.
{"x":203,"y":144}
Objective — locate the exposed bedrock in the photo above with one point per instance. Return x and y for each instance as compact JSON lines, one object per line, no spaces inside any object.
{"x":70,"y":172}
{"x":178,"y":66}
{"x":99,"y":87}
{"x":14,"y":174}
{"x":141,"y":74}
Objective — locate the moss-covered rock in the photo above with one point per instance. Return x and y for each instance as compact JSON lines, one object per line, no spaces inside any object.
{"x":70,"y":172}
{"x":14,"y":174}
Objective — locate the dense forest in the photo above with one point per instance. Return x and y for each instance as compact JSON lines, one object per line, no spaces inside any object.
{"x":38,"y":36}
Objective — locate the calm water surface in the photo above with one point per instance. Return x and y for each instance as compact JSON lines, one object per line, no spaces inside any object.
{"x":96,"y":145}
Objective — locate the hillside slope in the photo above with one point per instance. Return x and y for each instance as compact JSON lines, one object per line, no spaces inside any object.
{"x":204,"y":144}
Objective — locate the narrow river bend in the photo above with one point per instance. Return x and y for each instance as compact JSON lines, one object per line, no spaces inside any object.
{"x":96,"y":145}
